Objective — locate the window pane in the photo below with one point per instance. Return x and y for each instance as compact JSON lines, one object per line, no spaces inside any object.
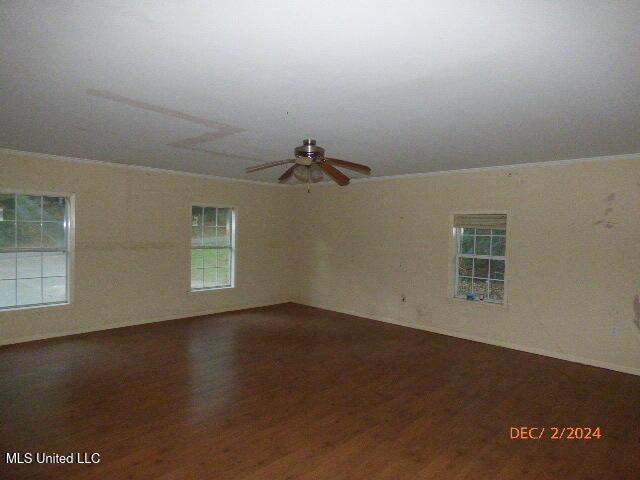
{"x":7,"y":265}
{"x":496,"y":291}
{"x":29,"y":264}
{"x":197,"y":255}
{"x":224,"y":258}
{"x":497,"y":269}
{"x":29,"y":291}
{"x":7,"y":235}
{"x":29,"y":208}
{"x":197,"y":276}
{"x":222,"y":237}
{"x":196,"y":236}
{"x":224,"y":277}
{"x":7,"y":293}
{"x":196,"y":225}
{"x":55,"y":289}
{"x":7,"y":206}
{"x":224,"y":217}
{"x":210,"y":217}
{"x":464,"y":286}
{"x":466,"y":245}
{"x":210,"y":277}
{"x":497,"y":246}
{"x":488,"y":273}
{"x":465,"y":267}
{"x":481,"y":268}
{"x":210,"y":258}
{"x":53,"y":235}
{"x":483,"y":245}
{"x":53,"y":208}
{"x":29,"y":235}
{"x":196,"y":214}
{"x":209,"y":236}
{"x":54,"y":264}
{"x":214,"y":226}
{"x":22,"y":227}
{"x":479,"y":286}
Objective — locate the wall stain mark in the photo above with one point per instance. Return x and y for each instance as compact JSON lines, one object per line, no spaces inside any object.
{"x":636,"y":311}
{"x":605,"y":220}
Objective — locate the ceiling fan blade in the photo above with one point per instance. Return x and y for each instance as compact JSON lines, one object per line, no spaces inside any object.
{"x":339,"y":177}
{"x":287,"y":173}
{"x":358,"y":167}
{"x":268,"y":165}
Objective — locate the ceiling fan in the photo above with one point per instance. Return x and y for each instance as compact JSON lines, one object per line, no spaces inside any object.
{"x":310,"y":165}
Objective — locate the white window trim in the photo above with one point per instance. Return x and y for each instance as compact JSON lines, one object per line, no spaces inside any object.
{"x":453,"y":267}
{"x":71,"y":229}
{"x":234,"y":223}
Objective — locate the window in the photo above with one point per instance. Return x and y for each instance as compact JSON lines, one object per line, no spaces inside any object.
{"x":480,"y":257}
{"x":212,"y":248}
{"x":34,"y":250}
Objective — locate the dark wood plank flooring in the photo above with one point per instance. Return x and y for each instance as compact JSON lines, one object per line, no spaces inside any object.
{"x":290,"y":392}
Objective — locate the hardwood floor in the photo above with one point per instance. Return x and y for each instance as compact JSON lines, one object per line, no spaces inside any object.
{"x":290,"y":392}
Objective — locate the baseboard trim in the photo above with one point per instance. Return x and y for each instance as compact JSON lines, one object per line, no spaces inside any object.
{"x":488,"y":341}
{"x":110,"y":326}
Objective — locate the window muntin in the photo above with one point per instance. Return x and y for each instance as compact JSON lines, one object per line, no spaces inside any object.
{"x":212,"y":249}
{"x":34,"y":250}
{"x":480,"y":263}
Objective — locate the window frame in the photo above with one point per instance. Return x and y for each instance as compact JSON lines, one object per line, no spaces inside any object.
{"x":453,"y":277}
{"x":70,"y":215}
{"x":232,"y":247}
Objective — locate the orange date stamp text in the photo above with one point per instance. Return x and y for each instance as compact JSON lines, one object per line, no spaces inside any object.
{"x":555,"y":433}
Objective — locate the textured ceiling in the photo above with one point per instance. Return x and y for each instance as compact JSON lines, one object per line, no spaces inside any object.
{"x":404,"y":86}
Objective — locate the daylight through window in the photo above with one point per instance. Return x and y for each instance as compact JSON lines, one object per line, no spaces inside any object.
{"x":34,"y":250}
{"x":480,"y":261}
{"x":211,"y":247}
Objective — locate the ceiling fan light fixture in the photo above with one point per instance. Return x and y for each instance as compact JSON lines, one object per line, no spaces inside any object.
{"x":301,"y":172}
{"x":315,"y":173}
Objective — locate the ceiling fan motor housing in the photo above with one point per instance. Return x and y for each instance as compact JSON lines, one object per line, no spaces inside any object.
{"x":309,"y":149}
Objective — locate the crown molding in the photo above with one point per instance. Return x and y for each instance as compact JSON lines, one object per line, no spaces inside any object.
{"x":142,"y":168}
{"x":547,"y":163}
{"x":461,"y":171}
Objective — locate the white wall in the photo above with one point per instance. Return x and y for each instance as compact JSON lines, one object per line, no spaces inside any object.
{"x":571,"y":281}
{"x":132,"y":259}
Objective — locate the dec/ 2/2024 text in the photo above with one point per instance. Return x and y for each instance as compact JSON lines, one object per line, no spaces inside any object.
{"x":555,"y":433}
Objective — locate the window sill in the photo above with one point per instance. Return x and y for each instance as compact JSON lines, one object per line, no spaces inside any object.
{"x":212,"y":289}
{"x":462,"y":301}
{"x":32,"y":307}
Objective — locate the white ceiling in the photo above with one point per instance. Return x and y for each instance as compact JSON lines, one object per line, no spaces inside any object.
{"x":404,"y":86}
